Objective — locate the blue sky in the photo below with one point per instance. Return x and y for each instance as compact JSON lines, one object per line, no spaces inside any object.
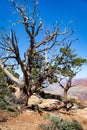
{"x":74,"y":11}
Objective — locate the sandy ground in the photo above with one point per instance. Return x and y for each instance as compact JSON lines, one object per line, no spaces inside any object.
{"x":29,"y":120}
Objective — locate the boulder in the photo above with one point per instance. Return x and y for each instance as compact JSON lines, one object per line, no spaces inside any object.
{"x":47,"y":104}
{"x":34,"y":100}
{"x":48,"y":95}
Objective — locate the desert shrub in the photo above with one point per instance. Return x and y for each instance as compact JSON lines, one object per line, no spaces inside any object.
{"x":58,"y":123}
{"x":6,"y":99}
{"x":80,"y":105}
{"x":11,"y":109}
{"x":3,"y":105}
{"x":74,"y":101}
{"x":4,"y":92}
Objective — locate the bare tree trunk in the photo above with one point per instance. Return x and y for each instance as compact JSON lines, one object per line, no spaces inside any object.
{"x":17,"y":81}
{"x":65,"y":95}
{"x":65,"y":98}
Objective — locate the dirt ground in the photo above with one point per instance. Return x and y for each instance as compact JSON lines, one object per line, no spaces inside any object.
{"x":30,"y":120}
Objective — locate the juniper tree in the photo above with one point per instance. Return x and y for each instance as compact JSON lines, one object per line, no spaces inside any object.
{"x":35,"y":69}
{"x":70,"y":65}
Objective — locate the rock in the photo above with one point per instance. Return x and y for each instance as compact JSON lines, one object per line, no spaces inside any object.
{"x":34,"y":100}
{"x":47,"y":104}
{"x":75,"y":107}
{"x":85,"y":109}
{"x":47,"y":95}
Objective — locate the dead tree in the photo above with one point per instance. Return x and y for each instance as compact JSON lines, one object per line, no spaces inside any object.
{"x":32,"y":64}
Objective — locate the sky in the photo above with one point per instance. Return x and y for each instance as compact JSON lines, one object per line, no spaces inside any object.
{"x":63,"y":11}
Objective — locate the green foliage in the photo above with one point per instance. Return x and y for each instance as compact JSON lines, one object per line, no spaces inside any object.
{"x":38,"y":60}
{"x":79,"y":104}
{"x":4,"y":80}
{"x":72,"y":100}
{"x":3,"y":105}
{"x":38,"y":65}
{"x":70,"y":63}
{"x":4,"y":93}
{"x":79,"y":61}
{"x":15,"y":74}
{"x":58,"y":123}
{"x":52,"y":79}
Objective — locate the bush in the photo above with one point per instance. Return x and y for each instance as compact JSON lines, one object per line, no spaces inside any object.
{"x":58,"y":123}
{"x":3,"y":105}
{"x":6,"y":95}
{"x":4,"y":92}
{"x":74,"y":101}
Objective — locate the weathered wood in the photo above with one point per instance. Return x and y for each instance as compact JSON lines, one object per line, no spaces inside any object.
{"x":20,"y":83}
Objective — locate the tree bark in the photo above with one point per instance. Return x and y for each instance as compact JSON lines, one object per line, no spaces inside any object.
{"x":15,"y":80}
{"x":65,"y":99}
{"x":65,"y":95}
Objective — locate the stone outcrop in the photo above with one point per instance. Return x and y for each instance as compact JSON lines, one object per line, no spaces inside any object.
{"x":50,"y":104}
{"x":34,"y":100}
{"x":46,"y":95}
{"x":47,"y":104}
{"x":16,"y":92}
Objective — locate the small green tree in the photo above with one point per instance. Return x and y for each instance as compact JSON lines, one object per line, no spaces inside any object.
{"x":68,"y":68}
{"x":1,"y":77}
